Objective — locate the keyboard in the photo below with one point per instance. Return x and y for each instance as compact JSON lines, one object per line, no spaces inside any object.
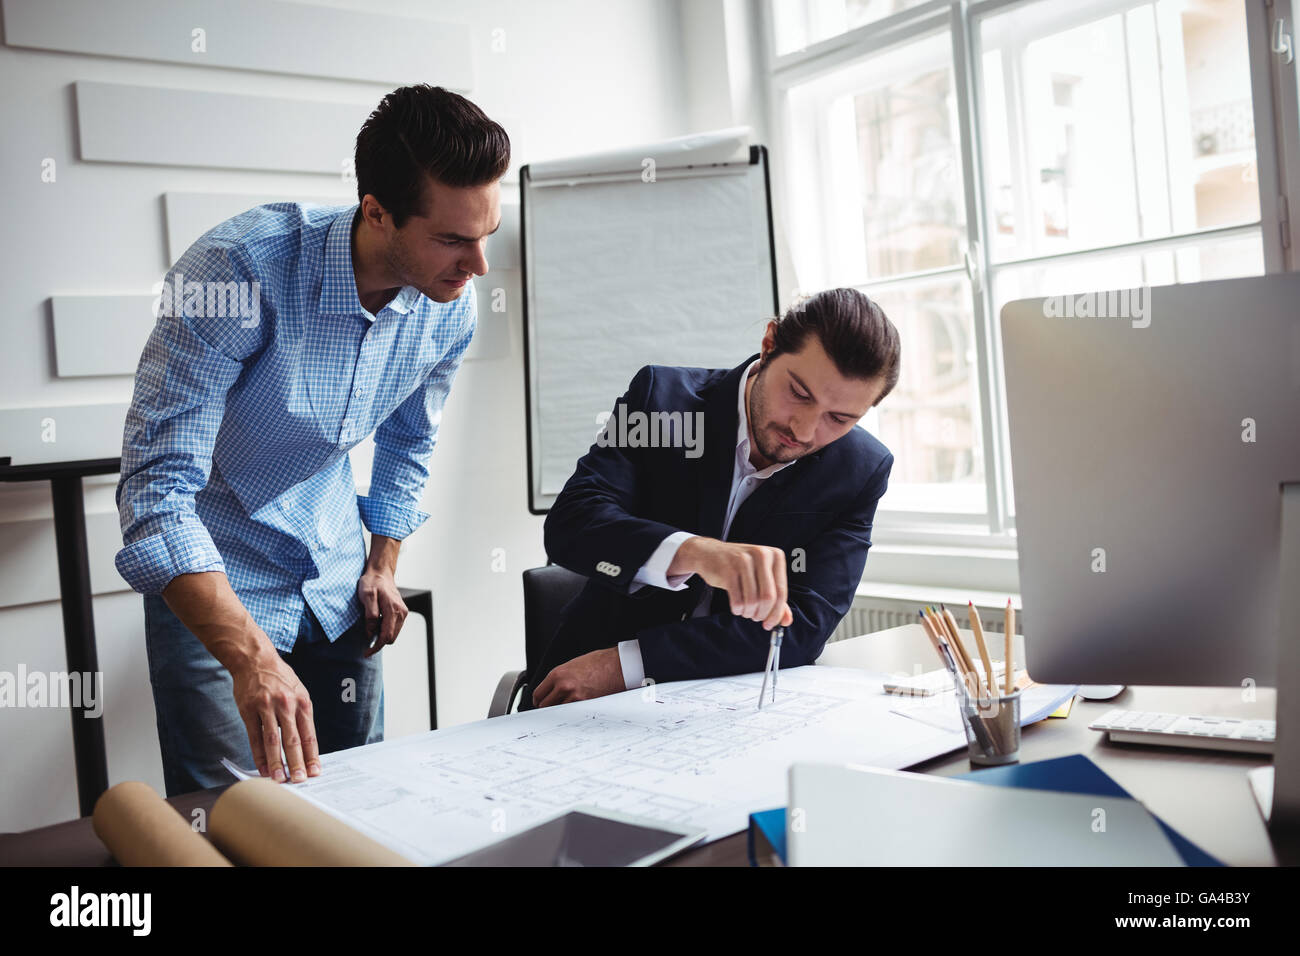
{"x":1187,"y":730}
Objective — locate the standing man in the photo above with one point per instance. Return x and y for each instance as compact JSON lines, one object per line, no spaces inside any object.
{"x":242,"y":527}
{"x":694,"y":559}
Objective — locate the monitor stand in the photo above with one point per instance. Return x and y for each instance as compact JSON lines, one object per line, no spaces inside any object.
{"x":1279,"y":797}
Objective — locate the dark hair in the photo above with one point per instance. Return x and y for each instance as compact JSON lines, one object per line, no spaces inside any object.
{"x":854,"y":331}
{"x":419,"y":131}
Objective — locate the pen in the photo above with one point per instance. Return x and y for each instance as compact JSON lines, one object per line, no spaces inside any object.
{"x":948,"y":625}
{"x":941,"y":635}
{"x":941,"y":648}
{"x":946,"y":654}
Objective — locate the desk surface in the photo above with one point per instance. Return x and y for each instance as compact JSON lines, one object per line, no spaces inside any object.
{"x":1202,"y":794}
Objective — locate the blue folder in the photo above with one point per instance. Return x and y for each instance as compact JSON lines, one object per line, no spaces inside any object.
{"x":771,"y":825}
{"x":1077,"y":774}
{"x":1073,"y":774}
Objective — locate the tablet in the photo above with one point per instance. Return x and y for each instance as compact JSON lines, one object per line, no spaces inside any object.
{"x":587,"y":836}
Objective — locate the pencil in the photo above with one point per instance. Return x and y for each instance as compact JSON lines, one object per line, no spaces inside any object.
{"x":951,"y":662}
{"x":955,"y":650}
{"x":978,"y":628}
{"x":965,"y":651}
{"x":1009,"y":625}
{"x":940,"y":631}
{"x":940,"y":634}
{"x":953,"y":640}
{"x":944,"y":658}
{"x":934,"y":640}
{"x":948,"y":626}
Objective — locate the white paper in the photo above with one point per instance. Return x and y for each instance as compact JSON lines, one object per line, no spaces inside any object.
{"x":625,"y":275}
{"x":729,"y":145}
{"x":940,"y":710}
{"x":698,"y":753}
{"x":1261,"y":785}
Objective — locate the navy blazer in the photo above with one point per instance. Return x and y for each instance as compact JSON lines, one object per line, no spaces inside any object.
{"x":621,"y":503}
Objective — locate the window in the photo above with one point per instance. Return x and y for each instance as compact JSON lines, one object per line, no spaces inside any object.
{"x":801,"y":23}
{"x":1124,"y":126}
{"x":947,"y":158}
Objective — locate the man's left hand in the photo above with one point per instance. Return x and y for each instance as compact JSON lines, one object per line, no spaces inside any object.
{"x":384,"y":608}
{"x":591,"y":675}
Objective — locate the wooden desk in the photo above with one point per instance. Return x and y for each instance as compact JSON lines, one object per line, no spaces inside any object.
{"x":1202,"y":794}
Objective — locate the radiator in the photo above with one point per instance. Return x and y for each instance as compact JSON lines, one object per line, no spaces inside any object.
{"x":877,"y":613}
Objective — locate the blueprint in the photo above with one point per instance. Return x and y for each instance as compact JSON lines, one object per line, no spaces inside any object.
{"x":698,"y":753}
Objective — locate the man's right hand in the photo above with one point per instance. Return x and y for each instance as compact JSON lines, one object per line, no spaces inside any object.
{"x":272,"y":702}
{"x":277,"y":714}
{"x":753,"y":575}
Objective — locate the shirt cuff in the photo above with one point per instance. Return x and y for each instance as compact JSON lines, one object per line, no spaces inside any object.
{"x":389,"y":518}
{"x":148,"y":565}
{"x":655,"y":570}
{"x":629,"y":656}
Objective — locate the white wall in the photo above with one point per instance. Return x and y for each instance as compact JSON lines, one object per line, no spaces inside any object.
{"x":574,"y":76}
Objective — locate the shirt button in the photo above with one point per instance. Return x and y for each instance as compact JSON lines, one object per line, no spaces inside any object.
{"x":357,"y":392}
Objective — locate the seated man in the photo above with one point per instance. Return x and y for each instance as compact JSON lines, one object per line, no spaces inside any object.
{"x":687,"y":552}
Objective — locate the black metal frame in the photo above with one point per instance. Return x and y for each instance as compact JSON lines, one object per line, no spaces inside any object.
{"x":68,"y":496}
{"x":421,"y":602}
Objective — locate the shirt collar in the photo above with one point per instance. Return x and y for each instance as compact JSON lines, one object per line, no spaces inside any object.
{"x":742,"y":433}
{"x":338,"y":288}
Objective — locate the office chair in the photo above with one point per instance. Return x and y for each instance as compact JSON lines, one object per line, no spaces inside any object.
{"x":546,"y":593}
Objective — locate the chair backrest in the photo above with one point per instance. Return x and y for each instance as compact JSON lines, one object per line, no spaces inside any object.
{"x":546,"y":593}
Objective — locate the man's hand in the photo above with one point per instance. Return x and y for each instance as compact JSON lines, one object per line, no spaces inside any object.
{"x":272,"y":702}
{"x":277,"y":714}
{"x":377,"y":590}
{"x":753,"y":575}
{"x":591,"y":675}
{"x":385,"y":610}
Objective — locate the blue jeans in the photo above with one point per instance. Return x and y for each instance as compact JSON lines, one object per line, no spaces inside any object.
{"x":198,"y":722}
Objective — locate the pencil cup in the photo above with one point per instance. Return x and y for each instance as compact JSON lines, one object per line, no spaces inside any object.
{"x":992,"y":728}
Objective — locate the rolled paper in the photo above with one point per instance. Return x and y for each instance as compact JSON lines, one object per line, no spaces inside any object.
{"x":140,"y":828}
{"x":260,"y":823}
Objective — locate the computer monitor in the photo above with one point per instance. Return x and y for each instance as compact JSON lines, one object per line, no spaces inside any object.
{"x":1152,"y":434}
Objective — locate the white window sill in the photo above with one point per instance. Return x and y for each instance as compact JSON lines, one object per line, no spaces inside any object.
{"x":921,"y":595}
{"x":965,"y":569}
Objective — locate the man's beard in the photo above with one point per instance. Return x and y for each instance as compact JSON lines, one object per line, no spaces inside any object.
{"x":395,"y":257}
{"x":768,"y":446}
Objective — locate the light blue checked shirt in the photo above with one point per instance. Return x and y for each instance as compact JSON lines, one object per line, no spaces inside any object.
{"x":235,"y":451}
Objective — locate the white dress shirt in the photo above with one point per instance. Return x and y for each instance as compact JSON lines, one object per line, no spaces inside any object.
{"x":654,"y":573}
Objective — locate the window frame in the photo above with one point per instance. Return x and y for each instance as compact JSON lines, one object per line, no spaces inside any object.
{"x":1274,"y":95}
